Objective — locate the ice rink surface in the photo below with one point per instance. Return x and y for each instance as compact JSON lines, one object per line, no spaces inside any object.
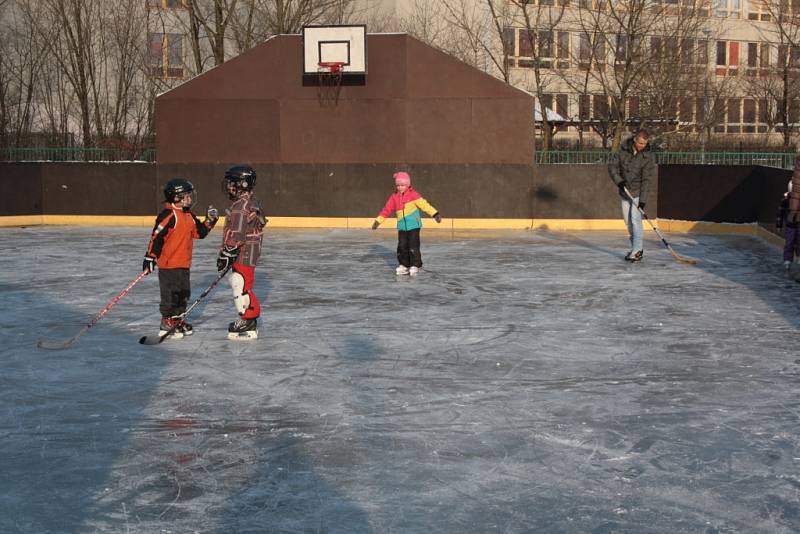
{"x":524,"y":382}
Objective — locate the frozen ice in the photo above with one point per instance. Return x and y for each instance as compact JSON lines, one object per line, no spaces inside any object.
{"x":523,"y":382}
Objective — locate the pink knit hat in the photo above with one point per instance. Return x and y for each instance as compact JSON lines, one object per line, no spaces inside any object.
{"x":402,"y":178}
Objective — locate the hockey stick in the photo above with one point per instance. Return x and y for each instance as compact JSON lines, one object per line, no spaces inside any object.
{"x":682,"y":259}
{"x":58,"y":346}
{"x":155,"y":340}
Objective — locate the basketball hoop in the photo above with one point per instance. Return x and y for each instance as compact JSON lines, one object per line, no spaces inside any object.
{"x":330,"y":82}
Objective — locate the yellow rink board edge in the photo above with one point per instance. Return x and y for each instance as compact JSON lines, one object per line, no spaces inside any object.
{"x":665,"y":225}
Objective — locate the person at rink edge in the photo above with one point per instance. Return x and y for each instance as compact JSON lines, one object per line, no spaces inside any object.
{"x":406,"y":204}
{"x":241,"y":248}
{"x":170,"y":248}
{"x":791,"y":247}
{"x":633,"y":168}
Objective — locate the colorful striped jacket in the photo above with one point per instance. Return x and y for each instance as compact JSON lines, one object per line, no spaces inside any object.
{"x":406,"y":208}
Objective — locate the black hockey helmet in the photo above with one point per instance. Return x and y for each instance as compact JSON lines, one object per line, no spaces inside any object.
{"x":175,"y":189}
{"x":239,"y":179}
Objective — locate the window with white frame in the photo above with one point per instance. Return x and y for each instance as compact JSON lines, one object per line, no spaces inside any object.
{"x":591,"y":51}
{"x":759,"y":10}
{"x":727,"y":8}
{"x":166,"y":55}
{"x":166,"y":4}
{"x":727,"y":58}
{"x":547,"y":49}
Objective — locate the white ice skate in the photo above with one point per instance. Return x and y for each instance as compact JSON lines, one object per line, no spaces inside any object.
{"x":401,"y":270}
{"x":413,"y":271}
{"x":243,"y":329}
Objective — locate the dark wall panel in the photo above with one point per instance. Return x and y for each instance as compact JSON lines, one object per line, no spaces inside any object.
{"x":769,"y":185}
{"x":21,"y":189}
{"x":712,"y":193}
{"x":702,"y":193}
{"x":98,"y":188}
{"x":582,"y":192}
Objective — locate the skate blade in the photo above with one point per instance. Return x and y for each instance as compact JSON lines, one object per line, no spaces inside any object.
{"x":174,"y":335}
{"x":243,"y":336}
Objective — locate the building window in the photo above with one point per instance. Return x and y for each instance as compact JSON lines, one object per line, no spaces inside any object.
{"x":591,"y":51}
{"x":758,"y":59}
{"x":549,"y":48}
{"x":759,"y":10}
{"x":166,"y":55}
{"x":166,"y":4}
{"x":727,"y":8}
{"x":727,"y":58}
{"x":789,"y":56}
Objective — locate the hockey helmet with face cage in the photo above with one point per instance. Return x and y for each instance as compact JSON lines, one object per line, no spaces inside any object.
{"x":239,"y":179}
{"x":176,"y":189}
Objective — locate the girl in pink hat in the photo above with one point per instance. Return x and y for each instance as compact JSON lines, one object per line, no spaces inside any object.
{"x":406,"y":204}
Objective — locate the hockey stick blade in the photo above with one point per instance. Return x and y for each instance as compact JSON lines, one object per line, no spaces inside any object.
{"x":41,"y":344}
{"x":151,"y":340}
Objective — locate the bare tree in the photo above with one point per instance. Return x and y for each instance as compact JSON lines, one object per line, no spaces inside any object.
{"x":777,"y":84}
{"x":548,"y":49}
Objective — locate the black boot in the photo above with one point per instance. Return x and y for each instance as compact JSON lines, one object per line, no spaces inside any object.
{"x":243,"y":329}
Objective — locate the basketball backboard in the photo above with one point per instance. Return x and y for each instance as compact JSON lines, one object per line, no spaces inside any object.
{"x":342,"y":44}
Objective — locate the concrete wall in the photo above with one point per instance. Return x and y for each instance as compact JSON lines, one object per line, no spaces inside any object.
{"x":716,"y":193}
{"x":77,"y":188}
{"x":684,"y":192}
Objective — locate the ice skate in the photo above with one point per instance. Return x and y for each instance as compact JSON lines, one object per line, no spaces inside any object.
{"x":413,"y":271}
{"x":243,"y":329}
{"x":401,"y":270}
{"x":185,"y":328}
{"x":635,"y":256}
{"x":171,"y":324}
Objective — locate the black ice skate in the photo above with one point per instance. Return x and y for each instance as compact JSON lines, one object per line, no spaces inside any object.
{"x":185,"y":328}
{"x":243,"y":329}
{"x":635,"y":256}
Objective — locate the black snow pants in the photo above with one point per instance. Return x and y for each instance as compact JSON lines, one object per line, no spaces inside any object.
{"x":408,"y":253}
{"x":175,"y":291}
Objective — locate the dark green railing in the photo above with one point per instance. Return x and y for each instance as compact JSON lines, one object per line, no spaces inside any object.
{"x":783,"y":160}
{"x":76,"y":154}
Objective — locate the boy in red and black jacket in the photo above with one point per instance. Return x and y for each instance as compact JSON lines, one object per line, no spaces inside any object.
{"x":241,"y":248}
{"x":170,"y":248}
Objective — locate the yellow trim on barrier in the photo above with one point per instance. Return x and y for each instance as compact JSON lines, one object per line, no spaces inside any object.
{"x":665,"y":225}
{"x":22,"y":220}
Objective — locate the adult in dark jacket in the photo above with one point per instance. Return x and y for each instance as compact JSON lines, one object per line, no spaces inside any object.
{"x":633,"y":168}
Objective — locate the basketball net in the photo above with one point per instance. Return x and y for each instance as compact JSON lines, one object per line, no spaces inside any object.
{"x":330,"y":83}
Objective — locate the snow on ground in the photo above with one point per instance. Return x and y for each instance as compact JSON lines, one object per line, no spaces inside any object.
{"x":524,"y":382}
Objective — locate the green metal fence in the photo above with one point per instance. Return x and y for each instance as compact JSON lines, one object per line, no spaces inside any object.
{"x":783,"y":160}
{"x":76,"y":154}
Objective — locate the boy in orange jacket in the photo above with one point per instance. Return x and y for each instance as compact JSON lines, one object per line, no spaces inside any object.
{"x":170,"y":248}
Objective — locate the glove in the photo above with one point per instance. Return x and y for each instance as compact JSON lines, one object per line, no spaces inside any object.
{"x":375,"y":225}
{"x":226,"y":257}
{"x":622,"y":185}
{"x":212,"y":214}
{"x":437,"y":217}
{"x":641,"y":205}
{"x":149,"y":264}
